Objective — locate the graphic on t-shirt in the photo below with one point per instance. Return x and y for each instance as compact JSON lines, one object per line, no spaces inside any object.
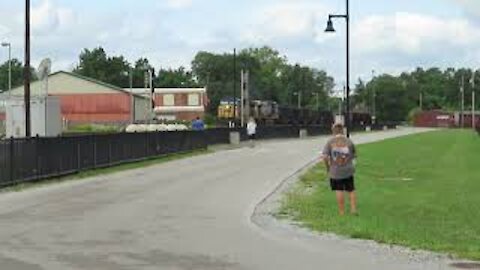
{"x":340,"y":153}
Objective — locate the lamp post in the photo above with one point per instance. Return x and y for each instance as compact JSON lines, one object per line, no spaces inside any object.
{"x":374,"y":98}
{"x":299,"y":98}
{"x":317,"y":100}
{"x":6,"y":44}
{"x":331,"y":29}
{"x":234,"y":87}
{"x":26,"y":70}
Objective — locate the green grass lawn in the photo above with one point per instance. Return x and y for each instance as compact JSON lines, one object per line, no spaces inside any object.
{"x":420,"y":191}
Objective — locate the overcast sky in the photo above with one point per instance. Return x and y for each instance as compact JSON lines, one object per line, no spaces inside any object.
{"x":388,"y":36}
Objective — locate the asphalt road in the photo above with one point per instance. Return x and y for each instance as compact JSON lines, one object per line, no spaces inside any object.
{"x":188,"y":214}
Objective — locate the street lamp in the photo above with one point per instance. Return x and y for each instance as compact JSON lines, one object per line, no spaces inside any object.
{"x":317,"y":100}
{"x":374,"y":99}
{"x":299,"y":101}
{"x":6,"y":44}
{"x":26,"y":71}
{"x":331,"y":29}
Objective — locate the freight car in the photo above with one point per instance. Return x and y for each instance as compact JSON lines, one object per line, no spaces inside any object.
{"x":270,"y":113}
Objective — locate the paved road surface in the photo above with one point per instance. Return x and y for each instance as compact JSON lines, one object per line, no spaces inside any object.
{"x":187,"y":214}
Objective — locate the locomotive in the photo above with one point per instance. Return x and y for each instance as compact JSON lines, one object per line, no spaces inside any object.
{"x":271,"y":113}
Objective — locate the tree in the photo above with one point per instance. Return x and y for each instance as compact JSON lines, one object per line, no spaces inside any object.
{"x":172,"y":78}
{"x":96,"y":64}
{"x":271,"y":77}
{"x":17,"y":74}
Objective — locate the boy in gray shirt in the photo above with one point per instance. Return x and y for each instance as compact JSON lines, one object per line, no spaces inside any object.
{"x":339,"y":154}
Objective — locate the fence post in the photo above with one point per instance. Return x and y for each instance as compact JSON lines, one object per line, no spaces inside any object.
{"x":303,"y":133}
{"x":109,"y":149}
{"x":12,"y":157}
{"x":79,"y":158}
{"x":146,"y":145}
{"x":94,"y":151}
{"x":37,"y":157}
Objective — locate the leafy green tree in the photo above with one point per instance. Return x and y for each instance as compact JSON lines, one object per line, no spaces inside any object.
{"x":17,"y":74}
{"x":98,"y":65}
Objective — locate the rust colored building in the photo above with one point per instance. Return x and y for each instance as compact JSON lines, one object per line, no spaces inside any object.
{"x":434,"y":119}
{"x":442,"y":119}
{"x":85,"y":100}
{"x":183,"y":104}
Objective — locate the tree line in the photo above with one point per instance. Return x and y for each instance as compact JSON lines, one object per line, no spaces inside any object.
{"x":272,"y":77}
{"x":395,"y":98}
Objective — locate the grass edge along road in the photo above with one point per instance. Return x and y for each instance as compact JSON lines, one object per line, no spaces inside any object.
{"x":105,"y":171}
{"x":417,"y":191}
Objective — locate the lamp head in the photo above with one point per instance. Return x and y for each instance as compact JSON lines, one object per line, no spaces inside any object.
{"x":330,"y":28}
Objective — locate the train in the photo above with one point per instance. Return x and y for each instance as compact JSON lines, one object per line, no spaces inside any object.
{"x":271,"y":113}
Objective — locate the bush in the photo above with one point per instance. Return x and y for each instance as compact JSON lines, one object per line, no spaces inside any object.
{"x":412,"y":114}
{"x":93,"y":128}
{"x":210,"y":120}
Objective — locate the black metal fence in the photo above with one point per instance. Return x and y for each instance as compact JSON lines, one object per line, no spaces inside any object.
{"x":26,"y":160}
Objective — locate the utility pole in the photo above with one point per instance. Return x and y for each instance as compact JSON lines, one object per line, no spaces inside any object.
{"x":317,"y":101}
{"x":9,"y":45}
{"x":234,"y":85}
{"x":132,"y":98}
{"x":462,"y":91}
{"x":152,"y":94}
{"x":374,"y":108}
{"x":299,"y":99}
{"x":421,"y":101}
{"x":26,"y":70}
{"x":245,"y":97}
{"x":473,"y":100}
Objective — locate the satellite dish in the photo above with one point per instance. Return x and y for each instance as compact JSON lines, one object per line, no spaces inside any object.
{"x":44,"y":69}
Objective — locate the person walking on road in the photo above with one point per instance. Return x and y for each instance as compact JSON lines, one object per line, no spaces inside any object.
{"x":251,"y":131}
{"x":339,"y":156}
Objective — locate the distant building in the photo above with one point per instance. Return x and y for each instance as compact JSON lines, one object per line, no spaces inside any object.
{"x":177,"y":103}
{"x":443,"y":119}
{"x":86,"y":100}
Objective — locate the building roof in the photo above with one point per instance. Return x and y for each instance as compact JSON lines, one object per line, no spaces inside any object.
{"x":143,"y":91}
{"x":111,"y":86}
{"x":81,"y":77}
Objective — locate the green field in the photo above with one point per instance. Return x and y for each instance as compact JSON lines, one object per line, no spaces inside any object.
{"x":420,"y":191}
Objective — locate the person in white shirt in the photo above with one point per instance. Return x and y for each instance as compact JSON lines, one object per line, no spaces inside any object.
{"x":251,"y":130}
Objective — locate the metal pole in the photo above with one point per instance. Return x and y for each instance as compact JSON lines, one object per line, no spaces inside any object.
{"x":9,"y":68}
{"x":242,"y":100}
{"x":463,"y":102}
{"x":26,"y":70}
{"x":299,"y":99}
{"x":473,"y":100}
{"x":348,"y":120}
{"x":421,"y":101}
{"x":374,"y":95}
{"x":152,"y":94}
{"x":132,"y":98}
{"x":473,"y":109}
{"x":234,"y":85}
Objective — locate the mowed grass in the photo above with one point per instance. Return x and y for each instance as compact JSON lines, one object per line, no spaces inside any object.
{"x":420,"y":191}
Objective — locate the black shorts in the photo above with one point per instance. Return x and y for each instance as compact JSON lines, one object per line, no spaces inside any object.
{"x":347,"y":184}
{"x":251,"y":137}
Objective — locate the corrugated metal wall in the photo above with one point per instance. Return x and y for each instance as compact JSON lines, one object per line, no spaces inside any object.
{"x":434,"y":119}
{"x":96,"y":107}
